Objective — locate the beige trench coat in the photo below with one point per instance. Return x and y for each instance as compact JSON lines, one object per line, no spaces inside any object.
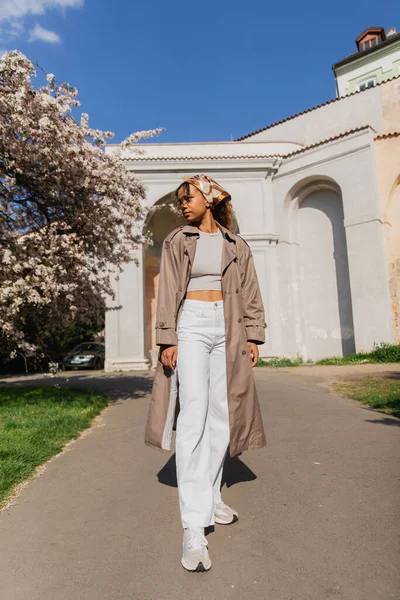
{"x":244,"y":321}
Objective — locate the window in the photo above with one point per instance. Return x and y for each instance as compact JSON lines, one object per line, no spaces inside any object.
{"x":368,"y":44}
{"x":89,"y":346}
{"x":367,"y":83}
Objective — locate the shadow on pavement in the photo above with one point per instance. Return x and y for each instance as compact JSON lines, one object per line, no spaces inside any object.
{"x":385,"y":421}
{"x":235,"y":471}
{"x":391,"y":375}
{"x":115,"y":386}
{"x":366,"y":376}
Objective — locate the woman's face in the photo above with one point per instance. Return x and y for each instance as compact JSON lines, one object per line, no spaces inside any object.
{"x":192,"y":204}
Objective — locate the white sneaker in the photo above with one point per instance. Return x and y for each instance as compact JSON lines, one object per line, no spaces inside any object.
{"x":224,"y":514}
{"x":195,"y":553}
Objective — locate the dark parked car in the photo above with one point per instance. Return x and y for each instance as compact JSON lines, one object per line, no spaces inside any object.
{"x":89,"y":355}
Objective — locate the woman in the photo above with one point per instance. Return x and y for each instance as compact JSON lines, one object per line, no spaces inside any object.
{"x":210,"y":319}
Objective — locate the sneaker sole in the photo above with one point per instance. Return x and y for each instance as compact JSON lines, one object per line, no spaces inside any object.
{"x":199,"y":569}
{"x":235,"y":519}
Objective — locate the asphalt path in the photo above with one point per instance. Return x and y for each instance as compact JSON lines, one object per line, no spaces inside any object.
{"x":319,"y":506}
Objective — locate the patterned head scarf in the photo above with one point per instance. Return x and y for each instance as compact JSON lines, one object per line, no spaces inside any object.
{"x":212,"y":191}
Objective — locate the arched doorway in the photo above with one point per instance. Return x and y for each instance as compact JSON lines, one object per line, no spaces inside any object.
{"x":161,"y":221}
{"x":322,"y":271}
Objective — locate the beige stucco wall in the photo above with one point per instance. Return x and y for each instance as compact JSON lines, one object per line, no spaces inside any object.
{"x":387,"y":156}
{"x":390,"y":95}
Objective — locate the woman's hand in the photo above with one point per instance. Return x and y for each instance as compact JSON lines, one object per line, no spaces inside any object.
{"x":169,"y":356}
{"x":254,"y":353}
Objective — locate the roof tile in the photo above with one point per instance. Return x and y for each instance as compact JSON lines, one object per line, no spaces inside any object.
{"x":327,"y":140}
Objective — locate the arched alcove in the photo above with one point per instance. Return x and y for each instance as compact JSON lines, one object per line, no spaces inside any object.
{"x":160,"y":222}
{"x":320,"y":269}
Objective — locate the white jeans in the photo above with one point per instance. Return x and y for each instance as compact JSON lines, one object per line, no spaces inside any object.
{"x":202,"y":432}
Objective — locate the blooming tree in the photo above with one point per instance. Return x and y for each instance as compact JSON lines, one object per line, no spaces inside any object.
{"x":69,"y":212}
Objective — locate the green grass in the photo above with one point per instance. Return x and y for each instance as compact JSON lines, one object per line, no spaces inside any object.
{"x":380,"y":394}
{"x":280,"y":362}
{"x":35,"y":424}
{"x":382,"y":353}
{"x":352,"y":359}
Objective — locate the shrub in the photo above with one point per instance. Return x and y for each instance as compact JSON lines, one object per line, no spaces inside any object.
{"x":386,"y":353}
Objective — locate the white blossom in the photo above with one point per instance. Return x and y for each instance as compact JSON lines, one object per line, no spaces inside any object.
{"x":69,"y":212}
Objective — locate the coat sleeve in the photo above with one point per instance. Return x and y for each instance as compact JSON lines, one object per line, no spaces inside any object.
{"x":253,"y":308}
{"x":167,"y":297}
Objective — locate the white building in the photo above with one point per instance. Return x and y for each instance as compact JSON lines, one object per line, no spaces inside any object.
{"x":317,"y":197}
{"x":377,"y":59}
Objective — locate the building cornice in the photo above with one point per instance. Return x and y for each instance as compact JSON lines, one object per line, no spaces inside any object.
{"x":268,"y":164}
{"x":270,"y":238}
{"x":189,"y":158}
{"x":222,"y":152}
{"x":330,"y":139}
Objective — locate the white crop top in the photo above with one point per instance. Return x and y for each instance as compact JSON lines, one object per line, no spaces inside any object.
{"x":206,"y":269}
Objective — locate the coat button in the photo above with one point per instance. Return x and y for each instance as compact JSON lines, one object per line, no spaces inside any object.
{"x":239,"y":320}
{"x":237,"y":291}
{"x":162,"y":324}
{"x":244,"y":352}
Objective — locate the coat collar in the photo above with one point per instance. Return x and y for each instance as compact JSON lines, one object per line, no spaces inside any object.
{"x":193,"y":230}
{"x":228,"y":247}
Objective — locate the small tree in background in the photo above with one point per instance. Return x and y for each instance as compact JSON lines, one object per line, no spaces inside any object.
{"x":69,"y":213}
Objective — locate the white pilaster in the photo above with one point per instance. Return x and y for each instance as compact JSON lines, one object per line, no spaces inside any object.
{"x":124,"y":328}
{"x":263,"y":248}
{"x":368,"y":282}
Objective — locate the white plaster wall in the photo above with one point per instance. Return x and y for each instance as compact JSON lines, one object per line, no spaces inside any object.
{"x":260,"y":263}
{"x":364,"y":108}
{"x":286,"y":317}
{"x":348,"y":163}
{"x":248,"y":202}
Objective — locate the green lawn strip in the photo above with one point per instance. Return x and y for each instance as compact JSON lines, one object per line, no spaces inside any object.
{"x":360,"y":358}
{"x":380,"y":394}
{"x":35,"y":424}
{"x":382,"y":353}
{"x":278,"y":362}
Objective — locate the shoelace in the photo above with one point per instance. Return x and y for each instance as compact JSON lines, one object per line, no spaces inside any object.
{"x":196,"y":540}
{"x":223,"y":507}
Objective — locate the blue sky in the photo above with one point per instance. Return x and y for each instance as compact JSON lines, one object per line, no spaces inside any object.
{"x":206,"y":71}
